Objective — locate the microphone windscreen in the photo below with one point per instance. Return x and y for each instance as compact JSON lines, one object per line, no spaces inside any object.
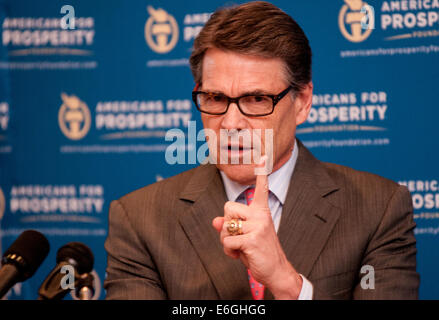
{"x":33,"y":247}
{"x":78,"y":252}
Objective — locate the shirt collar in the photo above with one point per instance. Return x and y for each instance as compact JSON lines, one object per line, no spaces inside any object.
{"x":278,"y":181}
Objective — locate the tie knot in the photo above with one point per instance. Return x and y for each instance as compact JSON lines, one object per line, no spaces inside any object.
{"x":249,"y":195}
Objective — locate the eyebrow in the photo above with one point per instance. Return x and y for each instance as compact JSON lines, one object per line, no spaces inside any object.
{"x":256,"y":92}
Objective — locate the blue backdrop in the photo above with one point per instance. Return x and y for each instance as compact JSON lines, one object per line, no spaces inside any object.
{"x":84,"y":111}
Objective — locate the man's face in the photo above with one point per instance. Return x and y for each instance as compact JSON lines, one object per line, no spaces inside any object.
{"x":234,"y":74}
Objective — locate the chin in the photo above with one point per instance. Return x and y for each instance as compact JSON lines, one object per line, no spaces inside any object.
{"x":241,"y":173}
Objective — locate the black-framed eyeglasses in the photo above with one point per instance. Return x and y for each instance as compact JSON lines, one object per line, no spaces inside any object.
{"x":253,"y":105}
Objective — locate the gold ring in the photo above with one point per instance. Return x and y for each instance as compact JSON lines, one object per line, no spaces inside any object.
{"x":234,"y":227}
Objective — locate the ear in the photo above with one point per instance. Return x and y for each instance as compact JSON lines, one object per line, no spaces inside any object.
{"x":303,"y":103}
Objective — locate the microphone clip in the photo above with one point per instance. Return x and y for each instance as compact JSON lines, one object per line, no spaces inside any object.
{"x":63,"y":279}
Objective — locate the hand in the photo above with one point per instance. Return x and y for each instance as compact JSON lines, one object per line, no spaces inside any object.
{"x":258,"y":247}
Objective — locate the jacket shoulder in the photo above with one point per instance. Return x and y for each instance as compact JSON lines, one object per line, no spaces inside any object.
{"x":162,"y":193}
{"x":366,"y":183}
{"x":167,"y":185}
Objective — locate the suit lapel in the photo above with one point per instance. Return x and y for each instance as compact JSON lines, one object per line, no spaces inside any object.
{"x":308,"y":215}
{"x":206,"y":191}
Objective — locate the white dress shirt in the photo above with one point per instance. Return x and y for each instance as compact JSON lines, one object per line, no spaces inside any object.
{"x":278,"y":182}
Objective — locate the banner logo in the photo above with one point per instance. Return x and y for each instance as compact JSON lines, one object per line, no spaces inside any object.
{"x":161,"y":30}
{"x":356,"y":20}
{"x":347,"y":119}
{"x":74,"y":117}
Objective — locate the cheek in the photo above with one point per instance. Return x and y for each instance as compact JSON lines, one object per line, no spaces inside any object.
{"x":284,"y":131}
{"x":212,"y":127}
{"x":211,"y":122}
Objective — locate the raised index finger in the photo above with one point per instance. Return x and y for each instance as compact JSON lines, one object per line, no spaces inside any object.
{"x":260,"y":198}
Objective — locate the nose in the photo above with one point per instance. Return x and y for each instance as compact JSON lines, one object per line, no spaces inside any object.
{"x":233,"y":119}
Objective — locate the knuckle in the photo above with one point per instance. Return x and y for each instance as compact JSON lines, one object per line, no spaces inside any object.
{"x":226,"y":242}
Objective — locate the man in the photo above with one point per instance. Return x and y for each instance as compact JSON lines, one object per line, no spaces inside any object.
{"x":308,"y":230}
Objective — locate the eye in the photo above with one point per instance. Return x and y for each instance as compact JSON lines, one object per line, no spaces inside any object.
{"x":217,"y":97}
{"x":258,"y":99}
{"x":213,"y":97}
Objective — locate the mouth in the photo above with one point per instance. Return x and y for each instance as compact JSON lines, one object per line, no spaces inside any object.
{"x":236,"y":153}
{"x":235,"y":148}
{"x":230,"y":147}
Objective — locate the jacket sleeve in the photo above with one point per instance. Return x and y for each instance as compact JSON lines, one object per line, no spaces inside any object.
{"x":131,"y":273}
{"x":389,"y":263}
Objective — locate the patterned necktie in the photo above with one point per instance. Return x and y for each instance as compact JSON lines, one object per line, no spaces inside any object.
{"x":256,"y":288}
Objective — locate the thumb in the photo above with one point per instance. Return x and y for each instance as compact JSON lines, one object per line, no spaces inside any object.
{"x":217,"y":223}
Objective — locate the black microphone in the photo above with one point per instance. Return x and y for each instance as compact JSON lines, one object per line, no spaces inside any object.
{"x":73,"y":254}
{"x":22,"y":259}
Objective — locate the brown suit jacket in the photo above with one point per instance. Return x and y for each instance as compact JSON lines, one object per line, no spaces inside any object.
{"x":161,"y":243}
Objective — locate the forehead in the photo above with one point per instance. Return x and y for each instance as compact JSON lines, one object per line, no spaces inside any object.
{"x":230,"y":71}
